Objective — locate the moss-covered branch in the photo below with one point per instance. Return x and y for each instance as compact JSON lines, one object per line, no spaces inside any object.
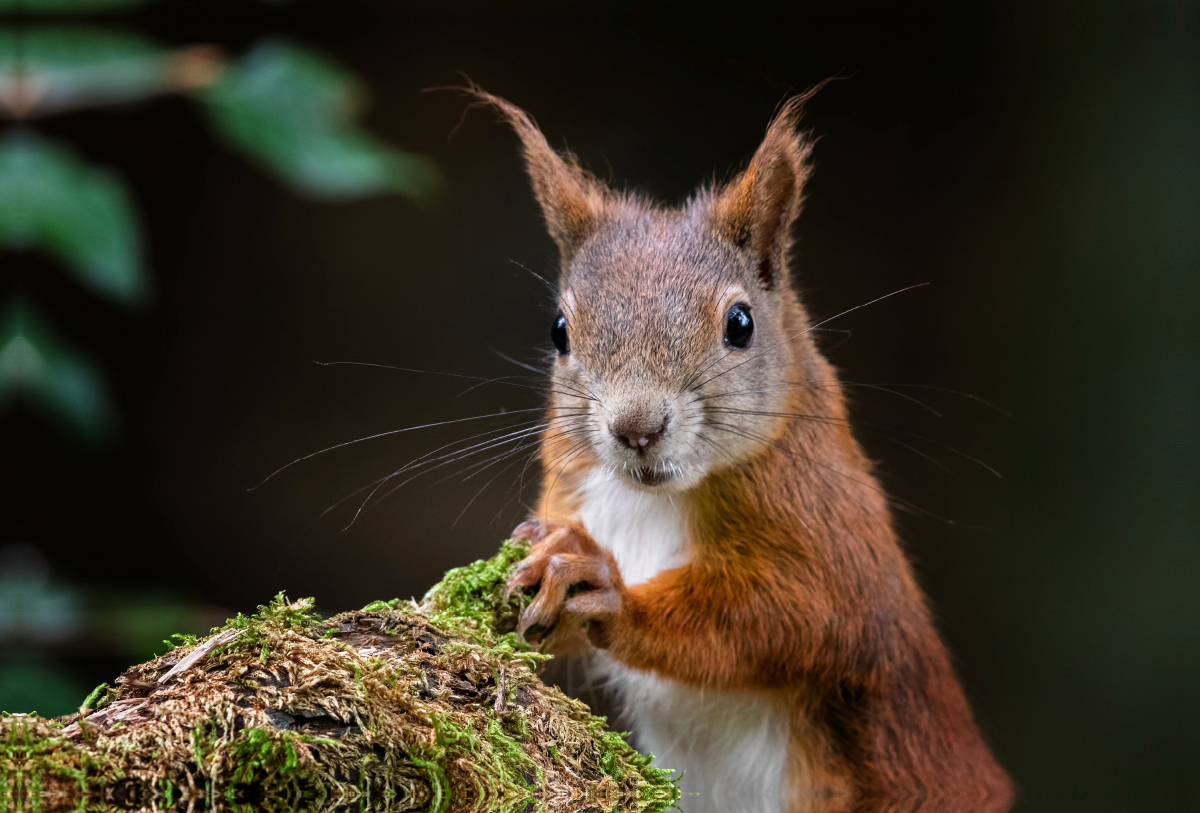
{"x":432,"y":707}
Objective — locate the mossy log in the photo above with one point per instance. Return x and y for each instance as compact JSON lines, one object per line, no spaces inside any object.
{"x":396,"y":707}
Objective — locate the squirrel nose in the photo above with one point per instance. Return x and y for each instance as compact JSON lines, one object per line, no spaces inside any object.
{"x":637,"y":434}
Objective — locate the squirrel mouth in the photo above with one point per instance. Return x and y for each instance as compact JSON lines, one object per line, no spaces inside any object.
{"x":649,"y":476}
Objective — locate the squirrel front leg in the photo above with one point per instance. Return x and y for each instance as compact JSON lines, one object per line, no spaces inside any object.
{"x":753,"y":625}
{"x":716,"y":628}
{"x":579,"y":586}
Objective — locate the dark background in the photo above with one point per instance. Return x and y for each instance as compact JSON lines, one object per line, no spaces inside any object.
{"x":1037,"y":163}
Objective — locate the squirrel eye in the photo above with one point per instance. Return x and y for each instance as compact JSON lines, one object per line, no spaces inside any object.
{"x":558,"y":334}
{"x":739,"y":327}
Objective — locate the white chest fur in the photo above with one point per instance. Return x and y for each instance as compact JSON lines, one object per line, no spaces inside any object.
{"x":645,"y":532}
{"x":731,"y":747}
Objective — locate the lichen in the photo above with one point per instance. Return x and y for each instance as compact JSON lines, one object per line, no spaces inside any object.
{"x":432,"y":707}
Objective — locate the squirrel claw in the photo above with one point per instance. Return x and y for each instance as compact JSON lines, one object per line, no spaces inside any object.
{"x":533,"y":529}
{"x":578,"y":584}
{"x":522,"y":577}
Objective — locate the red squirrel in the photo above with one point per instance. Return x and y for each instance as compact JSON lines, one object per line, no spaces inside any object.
{"x":709,"y":529}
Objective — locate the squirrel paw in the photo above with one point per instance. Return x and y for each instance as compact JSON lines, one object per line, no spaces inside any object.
{"x":533,"y":529}
{"x":579,"y":586}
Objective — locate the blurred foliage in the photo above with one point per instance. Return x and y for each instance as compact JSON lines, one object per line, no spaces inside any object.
{"x":140,"y":624}
{"x":34,"y":612}
{"x":43,"y":621}
{"x":294,"y":111}
{"x":30,"y":607}
{"x":51,"y":200}
{"x":280,"y":104}
{"x":51,"y":377}
{"x":30,"y":682}
{"x":54,"y":68}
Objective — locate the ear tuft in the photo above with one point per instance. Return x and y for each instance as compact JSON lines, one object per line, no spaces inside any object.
{"x":572,"y":200}
{"x":756,"y":210}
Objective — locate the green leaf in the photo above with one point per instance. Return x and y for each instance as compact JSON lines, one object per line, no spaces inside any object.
{"x":51,"y":377}
{"x":49,"y":69}
{"x":82,"y":215}
{"x":294,"y":111}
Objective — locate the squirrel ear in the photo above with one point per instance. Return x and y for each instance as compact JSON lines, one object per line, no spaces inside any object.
{"x":572,"y":200}
{"x":756,"y":209}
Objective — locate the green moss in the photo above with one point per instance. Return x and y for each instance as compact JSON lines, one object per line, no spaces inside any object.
{"x":260,"y":627}
{"x":440,"y":799}
{"x":433,"y":707}
{"x":381,"y":606}
{"x":259,"y":749}
{"x":470,"y":601}
{"x":472,"y":598}
{"x":91,"y":698}
{"x":511,"y":756}
{"x":475,"y":593}
{"x":180,"y":639}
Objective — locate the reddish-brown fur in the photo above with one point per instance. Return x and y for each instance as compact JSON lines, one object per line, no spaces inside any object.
{"x":796,"y":584}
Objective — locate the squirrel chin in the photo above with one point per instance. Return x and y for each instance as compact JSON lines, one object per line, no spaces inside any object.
{"x":661,"y":479}
{"x":652,"y":476}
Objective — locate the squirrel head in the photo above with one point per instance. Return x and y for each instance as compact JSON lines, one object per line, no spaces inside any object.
{"x":679,"y":338}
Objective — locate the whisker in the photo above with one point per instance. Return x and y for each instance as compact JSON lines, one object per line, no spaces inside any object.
{"x":410,"y":466}
{"x":544,"y":441}
{"x":699,"y":372}
{"x":456,"y":456}
{"x":572,"y":390}
{"x":520,"y":364}
{"x":809,"y":329}
{"x":482,"y":379}
{"x":959,"y":393}
{"x":501,"y":379}
{"x":534,"y":457}
{"x":549,"y":285}
{"x":816,"y":385}
{"x":530,"y":458}
{"x":386,"y":434}
{"x":716,"y":446}
{"x":507,"y":379}
{"x":444,"y":460}
{"x":878,"y":429}
{"x":890,"y":497}
{"x":523,"y":425}
{"x":881,"y":388}
{"x":702,"y":368}
{"x":582,"y":447}
{"x":577,"y":390}
{"x":485,"y":485}
{"x":494,"y":443}
{"x":520,"y":430}
{"x":471,"y":501}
